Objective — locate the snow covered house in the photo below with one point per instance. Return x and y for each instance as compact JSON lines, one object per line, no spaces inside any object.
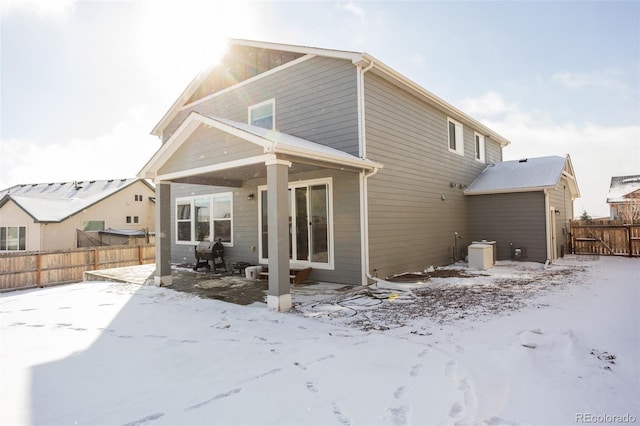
{"x":624,"y":198}
{"x":525,"y":206}
{"x":57,"y":216}
{"x":303,"y":157}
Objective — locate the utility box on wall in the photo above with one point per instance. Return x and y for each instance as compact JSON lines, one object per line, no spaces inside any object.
{"x":481,"y":256}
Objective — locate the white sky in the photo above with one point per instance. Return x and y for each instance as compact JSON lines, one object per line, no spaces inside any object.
{"x":84,"y":82}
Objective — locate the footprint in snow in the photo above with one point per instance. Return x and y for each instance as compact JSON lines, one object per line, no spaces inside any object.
{"x":423,"y":353}
{"x":398,"y":416}
{"x":401,"y":392}
{"x":337,"y":411}
{"x":415,"y":370}
{"x":311,"y":387}
{"x":450,"y":368}
{"x":456,"y":410}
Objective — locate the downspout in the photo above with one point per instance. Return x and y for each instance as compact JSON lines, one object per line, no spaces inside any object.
{"x":364,"y":176}
{"x":547,"y":223}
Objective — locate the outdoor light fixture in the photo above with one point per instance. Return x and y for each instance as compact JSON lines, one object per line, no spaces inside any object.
{"x":558,"y":212}
{"x":250,"y":197}
{"x":452,"y":184}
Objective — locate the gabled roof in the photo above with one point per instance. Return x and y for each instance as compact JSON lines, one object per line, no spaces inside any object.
{"x":271,"y":141}
{"x":55,"y":202}
{"x":357,"y":58}
{"x":621,"y":187}
{"x":526,"y":175}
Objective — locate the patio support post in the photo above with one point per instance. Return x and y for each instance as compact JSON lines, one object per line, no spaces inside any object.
{"x":279,"y":296}
{"x":163,"y":234}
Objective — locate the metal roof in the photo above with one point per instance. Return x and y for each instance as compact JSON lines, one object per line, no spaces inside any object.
{"x":529,"y":174}
{"x":54,"y":202}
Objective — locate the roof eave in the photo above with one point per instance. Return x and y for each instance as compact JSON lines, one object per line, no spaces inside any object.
{"x":437,"y":101}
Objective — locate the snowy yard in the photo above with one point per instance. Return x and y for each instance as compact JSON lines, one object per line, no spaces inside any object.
{"x":517,"y":344}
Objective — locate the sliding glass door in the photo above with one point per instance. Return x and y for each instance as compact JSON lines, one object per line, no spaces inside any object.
{"x":309,"y":223}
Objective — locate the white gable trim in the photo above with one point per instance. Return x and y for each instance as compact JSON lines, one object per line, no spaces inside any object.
{"x":236,"y":86}
{"x":217,"y":167}
{"x":194,"y":119}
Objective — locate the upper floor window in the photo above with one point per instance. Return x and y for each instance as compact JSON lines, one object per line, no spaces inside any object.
{"x":204,"y":218}
{"x":263,"y":114}
{"x":456,"y":137}
{"x":138,"y":197}
{"x":13,"y":238}
{"x":480,"y":147}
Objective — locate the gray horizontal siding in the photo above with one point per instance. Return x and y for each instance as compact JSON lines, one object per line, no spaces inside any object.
{"x":560,"y":199}
{"x":315,"y":100}
{"x":346,"y":224}
{"x":410,"y":226}
{"x":518,"y":219}
{"x":208,"y":146}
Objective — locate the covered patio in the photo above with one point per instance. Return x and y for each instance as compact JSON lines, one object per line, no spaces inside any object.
{"x":225,"y":287}
{"x":241,"y":158}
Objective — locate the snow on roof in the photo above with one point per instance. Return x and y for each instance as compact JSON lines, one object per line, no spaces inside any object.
{"x":518,"y":175}
{"x":621,"y":186}
{"x":54,"y":202}
{"x":284,"y":141}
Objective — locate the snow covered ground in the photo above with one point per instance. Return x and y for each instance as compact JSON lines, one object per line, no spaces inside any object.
{"x":517,"y":344}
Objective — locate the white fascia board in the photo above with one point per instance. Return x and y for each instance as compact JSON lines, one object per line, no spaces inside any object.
{"x":169,"y":147}
{"x":435,"y":100}
{"x":242,"y":83}
{"x":217,"y":167}
{"x":188,"y":126}
{"x":176,"y":106}
{"x":324,"y":156}
{"x":331,"y":53}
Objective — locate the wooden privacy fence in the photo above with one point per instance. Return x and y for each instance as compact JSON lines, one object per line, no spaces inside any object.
{"x":39,"y":269}
{"x":609,"y":238}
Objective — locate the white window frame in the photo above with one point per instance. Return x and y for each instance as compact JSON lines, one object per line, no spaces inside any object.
{"x":330,"y":264}
{"x":192,"y":219}
{"x":13,"y":240}
{"x":458,"y":136}
{"x":479,"y":144}
{"x":252,"y":108}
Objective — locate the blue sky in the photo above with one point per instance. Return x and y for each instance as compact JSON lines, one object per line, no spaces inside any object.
{"x":84,"y":82}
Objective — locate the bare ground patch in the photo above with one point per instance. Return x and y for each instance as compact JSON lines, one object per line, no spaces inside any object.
{"x":448,"y":295}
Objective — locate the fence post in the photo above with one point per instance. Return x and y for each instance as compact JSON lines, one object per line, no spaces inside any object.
{"x":95,"y":259}
{"x":139,"y":255}
{"x":629,"y":240}
{"x":38,"y":274}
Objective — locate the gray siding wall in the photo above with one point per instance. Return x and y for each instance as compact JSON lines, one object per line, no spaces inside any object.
{"x":315,"y":100}
{"x":346,"y":224}
{"x":517,"y":218}
{"x":410,"y":226}
{"x":560,"y":199}
{"x":207,"y":146}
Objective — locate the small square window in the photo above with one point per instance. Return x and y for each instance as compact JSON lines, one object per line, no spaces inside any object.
{"x":128,"y":219}
{"x":263,"y":114}
{"x":136,"y":219}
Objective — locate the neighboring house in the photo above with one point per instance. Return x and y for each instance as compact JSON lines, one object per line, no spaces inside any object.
{"x":624,"y":198}
{"x":54,"y":216}
{"x":525,"y":206}
{"x":306,"y":157}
